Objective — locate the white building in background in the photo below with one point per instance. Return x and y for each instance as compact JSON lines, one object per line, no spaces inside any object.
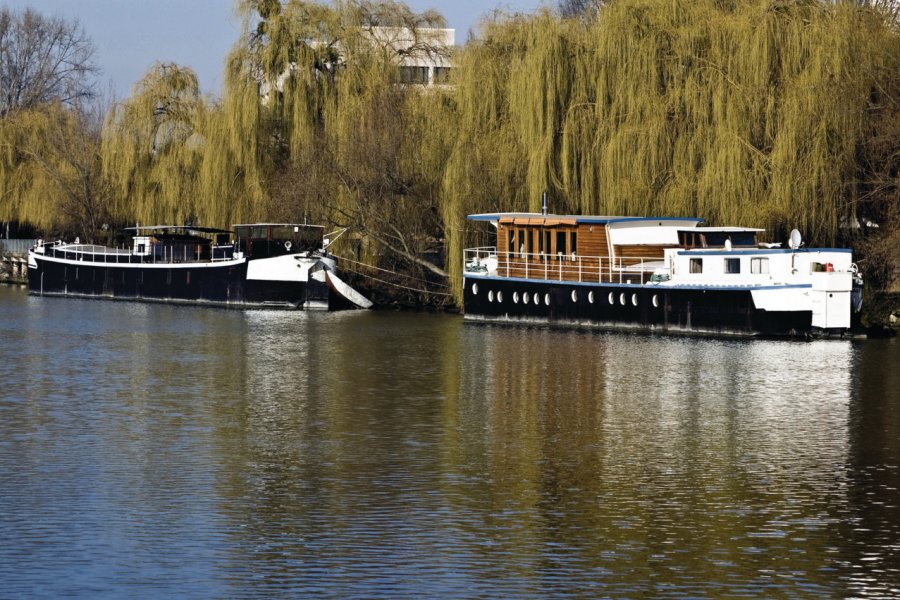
{"x":424,"y":61}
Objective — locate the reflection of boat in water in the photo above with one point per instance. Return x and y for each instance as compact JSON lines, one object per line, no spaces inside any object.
{"x":657,"y":274}
{"x":258,"y":265}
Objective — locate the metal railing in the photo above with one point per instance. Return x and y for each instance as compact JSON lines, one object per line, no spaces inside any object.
{"x":561,"y":267}
{"x":158,"y":255}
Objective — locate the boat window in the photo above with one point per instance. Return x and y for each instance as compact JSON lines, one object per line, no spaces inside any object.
{"x":548,"y":236}
{"x":687,"y":239}
{"x":759,"y":266}
{"x":732,"y":265}
{"x":738,"y":238}
{"x":696,"y":265}
{"x":573,"y":246}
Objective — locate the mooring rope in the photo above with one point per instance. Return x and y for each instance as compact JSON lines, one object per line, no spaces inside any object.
{"x":405,"y":287}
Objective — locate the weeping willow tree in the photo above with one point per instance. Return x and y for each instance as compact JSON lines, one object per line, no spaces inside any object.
{"x":748,"y":113}
{"x":153,"y":146}
{"x":50,"y":170}
{"x":334,"y":135}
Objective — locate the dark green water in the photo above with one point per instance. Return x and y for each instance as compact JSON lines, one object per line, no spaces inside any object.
{"x":157,"y":451}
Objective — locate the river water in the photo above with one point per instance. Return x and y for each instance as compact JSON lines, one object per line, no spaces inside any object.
{"x":158,"y":451}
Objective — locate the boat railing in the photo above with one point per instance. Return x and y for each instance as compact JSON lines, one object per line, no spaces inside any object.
{"x":159,"y":254}
{"x":566,"y":267}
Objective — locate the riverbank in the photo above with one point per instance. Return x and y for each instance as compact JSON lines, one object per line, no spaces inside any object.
{"x":881,"y":314}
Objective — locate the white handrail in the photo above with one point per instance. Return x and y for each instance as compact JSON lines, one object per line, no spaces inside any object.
{"x":567,"y":267}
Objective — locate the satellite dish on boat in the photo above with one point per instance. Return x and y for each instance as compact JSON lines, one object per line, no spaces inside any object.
{"x":796,"y":240}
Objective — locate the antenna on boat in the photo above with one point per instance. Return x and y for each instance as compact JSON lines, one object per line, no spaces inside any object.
{"x":796,"y":240}
{"x":544,"y":203}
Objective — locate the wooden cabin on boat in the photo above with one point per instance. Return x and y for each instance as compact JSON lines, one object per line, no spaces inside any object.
{"x":600,"y":249}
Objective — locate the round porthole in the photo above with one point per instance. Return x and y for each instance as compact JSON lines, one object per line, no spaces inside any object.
{"x":547,"y":298}
{"x":634,"y":299}
{"x":622,"y":298}
{"x":655,"y":301}
{"x":525,"y":298}
{"x":612,"y":298}
{"x":574,"y":295}
{"x":591,"y":297}
{"x":475,"y":289}
{"x":491,"y":296}
{"x":499,"y":296}
{"x":515,"y":297}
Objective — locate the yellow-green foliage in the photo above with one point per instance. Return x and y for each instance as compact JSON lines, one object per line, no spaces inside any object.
{"x":765,"y":113}
{"x":745,"y":113}
{"x":153,"y":145}
{"x":339,"y":140}
{"x":49,"y":167}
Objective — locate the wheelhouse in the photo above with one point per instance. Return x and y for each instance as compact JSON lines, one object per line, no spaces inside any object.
{"x":261,"y":240}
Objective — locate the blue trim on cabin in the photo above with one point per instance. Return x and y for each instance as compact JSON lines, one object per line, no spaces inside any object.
{"x":592,"y":220}
{"x":703,"y":252}
{"x":657,"y":286}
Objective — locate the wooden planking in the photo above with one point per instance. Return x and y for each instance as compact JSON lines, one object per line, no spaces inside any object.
{"x":633,"y":254}
{"x":592,"y":243}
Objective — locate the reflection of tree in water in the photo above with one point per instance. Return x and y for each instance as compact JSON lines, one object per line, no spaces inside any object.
{"x":871,"y":528}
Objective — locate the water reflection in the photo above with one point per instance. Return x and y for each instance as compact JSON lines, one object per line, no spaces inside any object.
{"x":162,"y":450}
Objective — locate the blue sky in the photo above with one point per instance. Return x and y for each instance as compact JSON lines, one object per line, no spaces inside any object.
{"x":131,"y":35}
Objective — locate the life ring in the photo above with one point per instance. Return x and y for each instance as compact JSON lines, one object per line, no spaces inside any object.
{"x":287,"y":245}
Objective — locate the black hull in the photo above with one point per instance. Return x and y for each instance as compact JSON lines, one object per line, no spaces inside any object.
{"x":224,"y":285}
{"x":629,"y":307}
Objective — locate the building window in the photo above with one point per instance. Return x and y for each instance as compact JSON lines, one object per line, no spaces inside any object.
{"x":759,"y":266}
{"x":442,"y":74}
{"x":414,"y":75}
{"x":696,"y":265}
{"x":732,"y":265}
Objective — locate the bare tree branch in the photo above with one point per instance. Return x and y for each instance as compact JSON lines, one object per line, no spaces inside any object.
{"x":42,"y":60}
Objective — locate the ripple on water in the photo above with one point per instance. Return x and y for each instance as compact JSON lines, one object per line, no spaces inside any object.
{"x":175,"y":451}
